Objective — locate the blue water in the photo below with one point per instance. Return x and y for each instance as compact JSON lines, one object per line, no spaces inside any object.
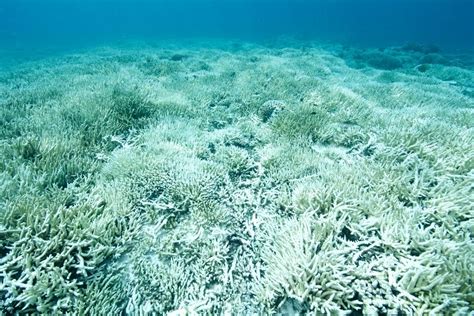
{"x":35,"y":24}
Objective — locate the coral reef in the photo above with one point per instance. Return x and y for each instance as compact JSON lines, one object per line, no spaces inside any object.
{"x":237,"y":179}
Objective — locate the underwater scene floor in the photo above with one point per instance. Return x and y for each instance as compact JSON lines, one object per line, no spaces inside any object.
{"x":238,"y":179}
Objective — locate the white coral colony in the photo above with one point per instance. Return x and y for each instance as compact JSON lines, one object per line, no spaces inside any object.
{"x":203,"y":180}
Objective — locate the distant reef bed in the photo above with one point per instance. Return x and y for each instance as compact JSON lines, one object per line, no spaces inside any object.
{"x":238,"y":179}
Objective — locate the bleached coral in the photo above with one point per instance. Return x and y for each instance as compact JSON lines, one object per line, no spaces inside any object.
{"x":131,"y":183}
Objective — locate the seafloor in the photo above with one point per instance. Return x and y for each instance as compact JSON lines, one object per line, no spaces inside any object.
{"x":235,"y":178}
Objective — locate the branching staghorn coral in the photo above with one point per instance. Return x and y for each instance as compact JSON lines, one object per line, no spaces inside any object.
{"x":50,"y":255}
{"x":251,"y":181}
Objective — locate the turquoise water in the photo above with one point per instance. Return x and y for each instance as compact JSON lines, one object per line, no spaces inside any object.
{"x":63,"y":23}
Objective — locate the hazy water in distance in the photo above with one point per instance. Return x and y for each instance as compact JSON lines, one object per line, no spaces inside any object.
{"x":29,"y":25}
